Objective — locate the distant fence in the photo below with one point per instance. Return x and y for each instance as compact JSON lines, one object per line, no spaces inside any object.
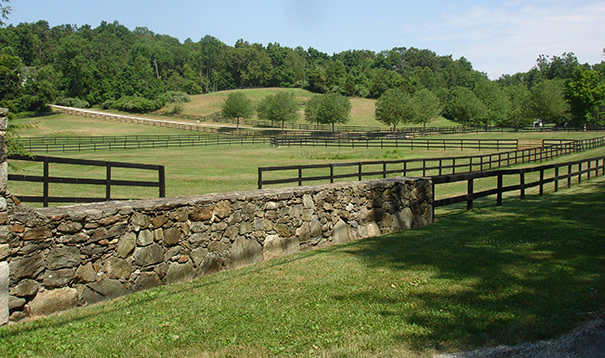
{"x":94,"y":143}
{"x":550,"y":173}
{"x":107,"y":181}
{"x":403,"y":142}
{"x":423,"y":167}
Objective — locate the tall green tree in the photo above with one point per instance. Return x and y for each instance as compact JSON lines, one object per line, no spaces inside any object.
{"x":328,"y":109}
{"x":520,"y":113}
{"x":429,"y":106}
{"x":280,"y":107}
{"x":586,"y":95}
{"x":237,"y":106}
{"x":396,"y":106}
{"x":495,"y":101}
{"x":4,"y":11}
{"x":548,"y":101}
{"x":463,"y":106}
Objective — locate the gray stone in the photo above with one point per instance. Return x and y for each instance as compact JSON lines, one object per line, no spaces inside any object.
{"x":4,"y":232}
{"x":16,"y":302}
{"x":17,"y":316}
{"x":48,"y":302}
{"x":145,"y":238}
{"x":372,"y":230}
{"x":109,"y":288}
{"x":27,"y":267}
{"x":210,"y":264}
{"x":38,"y":233}
{"x":158,"y":235}
{"x":91,"y":297}
{"x":282,"y":230}
{"x":245,"y":252}
{"x":275,"y":246}
{"x":126,"y":245}
{"x":342,"y":233}
{"x":148,"y":255}
{"x":147,"y":280}
{"x":4,"y":273}
{"x":172,"y":236}
{"x":118,"y":268}
{"x":308,"y":202}
{"x":25,"y":288}
{"x":4,"y":251}
{"x":315,"y":229}
{"x":69,"y":227}
{"x":179,"y":272}
{"x":198,"y":227}
{"x":140,"y":221}
{"x":86,"y":273}
{"x":63,"y":257}
{"x":403,"y":219}
{"x":198,"y":255}
{"x":222,"y":209}
{"x":217,"y":247}
{"x":245,"y":227}
{"x":3,"y":204}
{"x":58,"y":278}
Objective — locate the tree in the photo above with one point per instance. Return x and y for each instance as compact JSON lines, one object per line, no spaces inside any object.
{"x":493,"y":98}
{"x":429,"y":106}
{"x":328,"y":109}
{"x":586,"y":96}
{"x":395,"y":106}
{"x":464,"y":106}
{"x":520,"y":113}
{"x":4,"y":11}
{"x":237,"y":106}
{"x":548,"y":101}
{"x":280,"y":107}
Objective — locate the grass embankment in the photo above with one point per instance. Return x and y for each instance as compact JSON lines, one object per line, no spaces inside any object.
{"x":526,"y":271}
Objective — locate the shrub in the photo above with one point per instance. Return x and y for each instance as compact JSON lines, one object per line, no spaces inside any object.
{"x":136,"y":104}
{"x":175,"y":97}
{"x":108,"y":104}
{"x":72,"y":102}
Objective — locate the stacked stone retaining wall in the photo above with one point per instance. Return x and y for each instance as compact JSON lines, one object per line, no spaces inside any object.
{"x":61,"y":258}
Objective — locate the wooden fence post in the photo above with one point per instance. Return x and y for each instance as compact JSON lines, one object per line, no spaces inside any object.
{"x":469,"y":195}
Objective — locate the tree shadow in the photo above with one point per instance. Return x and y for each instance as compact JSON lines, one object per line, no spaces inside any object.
{"x":529,"y":270}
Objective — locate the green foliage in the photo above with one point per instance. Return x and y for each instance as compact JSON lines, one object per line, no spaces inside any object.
{"x":586,"y":96}
{"x":136,"y":104}
{"x":429,"y":106}
{"x":520,"y":113}
{"x":280,"y":107}
{"x":464,"y":107}
{"x":237,"y":106}
{"x":395,"y":106}
{"x":176,"y":97}
{"x":5,"y":10}
{"x":548,"y":101}
{"x":495,"y":101}
{"x":72,"y":102}
{"x":329,"y":109}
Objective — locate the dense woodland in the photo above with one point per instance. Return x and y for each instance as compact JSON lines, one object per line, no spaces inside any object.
{"x":109,"y":64}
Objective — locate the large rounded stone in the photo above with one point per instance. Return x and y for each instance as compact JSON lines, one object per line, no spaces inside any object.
{"x":148,"y":255}
{"x":126,"y":244}
{"x":48,"y":302}
{"x":58,"y":278}
{"x":63,"y":257}
{"x":276,"y":246}
{"x":146,"y":281}
{"x":179,"y":272}
{"x":25,"y":288}
{"x":245,"y":252}
{"x":27,"y":267}
{"x":118,"y":268}
{"x":109,"y":288}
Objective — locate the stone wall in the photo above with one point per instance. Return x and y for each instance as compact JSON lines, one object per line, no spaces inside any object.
{"x":4,"y":249}
{"x":61,"y":258}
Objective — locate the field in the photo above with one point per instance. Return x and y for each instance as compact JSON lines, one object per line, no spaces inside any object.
{"x":362,"y":112}
{"x":526,"y":271}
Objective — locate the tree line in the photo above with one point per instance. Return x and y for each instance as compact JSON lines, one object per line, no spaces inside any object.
{"x":138,"y":70}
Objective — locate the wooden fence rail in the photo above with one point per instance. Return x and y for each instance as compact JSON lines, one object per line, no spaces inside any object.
{"x":423,"y":167}
{"x":577,"y":169}
{"x":107,"y":181}
{"x":76,"y":144}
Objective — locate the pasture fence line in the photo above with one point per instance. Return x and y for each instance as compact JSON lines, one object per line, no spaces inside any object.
{"x":550,"y":173}
{"x":107,"y":181}
{"x":94,"y":143}
{"x":422,"y":167}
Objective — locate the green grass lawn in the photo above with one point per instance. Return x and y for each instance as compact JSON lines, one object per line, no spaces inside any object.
{"x":526,"y":271}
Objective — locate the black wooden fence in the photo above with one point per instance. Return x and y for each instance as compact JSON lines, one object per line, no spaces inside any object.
{"x":94,"y":143}
{"x":107,"y":181}
{"x":421,"y":167}
{"x":551,"y":173}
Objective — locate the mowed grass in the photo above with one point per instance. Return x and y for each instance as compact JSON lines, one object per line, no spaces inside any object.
{"x":527,"y":271}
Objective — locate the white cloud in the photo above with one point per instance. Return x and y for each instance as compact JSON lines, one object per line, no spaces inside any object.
{"x":508,"y":37}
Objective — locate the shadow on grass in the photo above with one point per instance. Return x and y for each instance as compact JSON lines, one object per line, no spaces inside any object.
{"x":529,"y":270}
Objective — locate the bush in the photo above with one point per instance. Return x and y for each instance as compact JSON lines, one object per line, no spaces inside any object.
{"x":136,"y":104}
{"x":175,"y":97}
{"x":108,"y":104}
{"x":72,"y":102}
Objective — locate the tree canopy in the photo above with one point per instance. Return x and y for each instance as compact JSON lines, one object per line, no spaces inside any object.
{"x":395,"y":107}
{"x":280,"y":107}
{"x":237,"y":106}
{"x":328,"y":109}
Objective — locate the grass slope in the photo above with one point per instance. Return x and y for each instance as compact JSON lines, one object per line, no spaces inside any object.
{"x":526,"y":271}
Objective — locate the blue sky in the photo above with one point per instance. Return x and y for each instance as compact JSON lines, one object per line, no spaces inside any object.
{"x":498,"y":37}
